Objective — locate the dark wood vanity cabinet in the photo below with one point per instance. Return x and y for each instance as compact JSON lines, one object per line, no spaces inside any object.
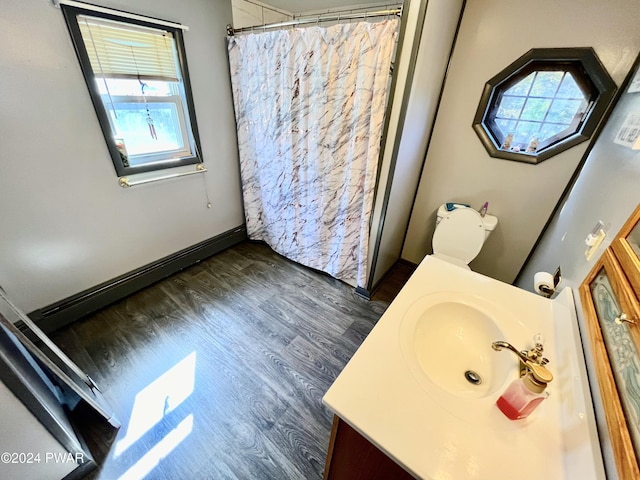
{"x":353,"y":457}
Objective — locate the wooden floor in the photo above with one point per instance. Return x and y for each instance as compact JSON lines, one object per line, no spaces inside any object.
{"x":218,"y":372}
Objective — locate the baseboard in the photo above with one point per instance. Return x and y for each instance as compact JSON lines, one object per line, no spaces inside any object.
{"x":73,"y":308}
{"x":407,"y":263}
{"x":400,"y":261}
{"x":363,"y":292}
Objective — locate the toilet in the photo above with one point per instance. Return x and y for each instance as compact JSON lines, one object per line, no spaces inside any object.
{"x":460,"y":234}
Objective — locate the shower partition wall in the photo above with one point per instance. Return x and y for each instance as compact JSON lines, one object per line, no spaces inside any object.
{"x":310,"y":108}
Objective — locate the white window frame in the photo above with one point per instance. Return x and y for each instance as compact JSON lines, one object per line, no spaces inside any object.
{"x":162,"y":156}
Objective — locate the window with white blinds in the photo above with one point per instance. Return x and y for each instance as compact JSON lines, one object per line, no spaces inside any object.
{"x":138,"y":81}
{"x":121,"y":50}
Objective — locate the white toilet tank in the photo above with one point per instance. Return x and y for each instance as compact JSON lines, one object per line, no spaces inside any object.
{"x":460,"y":234}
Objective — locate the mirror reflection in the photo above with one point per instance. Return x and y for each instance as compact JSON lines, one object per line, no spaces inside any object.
{"x":622,"y":351}
{"x":634,"y":240}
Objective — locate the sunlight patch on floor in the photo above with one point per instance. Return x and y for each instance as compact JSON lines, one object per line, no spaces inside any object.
{"x":157,"y":399}
{"x":162,"y":449}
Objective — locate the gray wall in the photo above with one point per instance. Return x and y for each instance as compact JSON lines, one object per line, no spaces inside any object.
{"x":66,"y":224}
{"x":493,"y":34}
{"x":607,"y":189}
{"x":399,"y":186}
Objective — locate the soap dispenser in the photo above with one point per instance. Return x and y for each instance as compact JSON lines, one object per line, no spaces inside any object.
{"x":524,"y":394}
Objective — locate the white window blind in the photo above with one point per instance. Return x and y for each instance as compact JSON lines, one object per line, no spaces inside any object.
{"x":123,"y":50}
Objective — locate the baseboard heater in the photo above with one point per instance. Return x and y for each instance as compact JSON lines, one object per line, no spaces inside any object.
{"x":70,"y":309}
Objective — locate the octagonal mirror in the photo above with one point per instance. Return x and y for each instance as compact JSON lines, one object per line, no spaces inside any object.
{"x":543,"y":103}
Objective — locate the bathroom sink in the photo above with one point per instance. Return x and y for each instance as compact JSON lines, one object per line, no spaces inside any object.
{"x":446,"y":341}
{"x":405,"y":390}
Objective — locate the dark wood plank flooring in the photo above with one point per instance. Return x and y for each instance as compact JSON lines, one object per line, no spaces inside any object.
{"x":218,"y":372}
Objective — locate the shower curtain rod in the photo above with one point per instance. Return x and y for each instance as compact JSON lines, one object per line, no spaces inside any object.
{"x":331,"y":17}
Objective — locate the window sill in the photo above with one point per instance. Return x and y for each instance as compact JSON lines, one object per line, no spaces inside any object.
{"x":149,"y":177}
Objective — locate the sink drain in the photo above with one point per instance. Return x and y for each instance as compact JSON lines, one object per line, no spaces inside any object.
{"x":472,"y":377}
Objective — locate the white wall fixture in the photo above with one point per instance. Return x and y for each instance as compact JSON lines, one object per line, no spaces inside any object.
{"x":595,"y":239}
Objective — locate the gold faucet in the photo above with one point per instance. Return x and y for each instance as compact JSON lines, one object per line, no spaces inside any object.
{"x":527,"y":358}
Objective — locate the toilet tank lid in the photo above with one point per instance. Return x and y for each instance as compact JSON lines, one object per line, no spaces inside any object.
{"x":490,"y":222}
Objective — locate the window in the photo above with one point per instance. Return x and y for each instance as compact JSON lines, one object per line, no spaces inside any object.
{"x":138,"y":81}
{"x":544,"y":103}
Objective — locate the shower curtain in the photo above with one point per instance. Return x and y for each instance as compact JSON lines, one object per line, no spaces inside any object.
{"x":309,"y":106}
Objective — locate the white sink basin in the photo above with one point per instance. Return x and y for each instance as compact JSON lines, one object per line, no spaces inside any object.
{"x":404,"y":389}
{"x":448,"y":339}
{"x":445,"y":341}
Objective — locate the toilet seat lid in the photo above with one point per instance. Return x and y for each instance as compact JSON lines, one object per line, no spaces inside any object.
{"x":460,"y":234}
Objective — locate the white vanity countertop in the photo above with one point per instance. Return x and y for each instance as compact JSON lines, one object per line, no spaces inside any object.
{"x":437,"y":436}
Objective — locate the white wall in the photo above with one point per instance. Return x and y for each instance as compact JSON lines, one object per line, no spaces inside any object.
{"x":438,"y":32}
{"x":402,"y":63}
{"x":493,"y":34}
{"x":248,"y":13}
{"x":66,"y":224}
{"x":299,"y":6}
{"x":606,"y":189}
{"x":310,"y":8}
{"x":21,"y":432}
